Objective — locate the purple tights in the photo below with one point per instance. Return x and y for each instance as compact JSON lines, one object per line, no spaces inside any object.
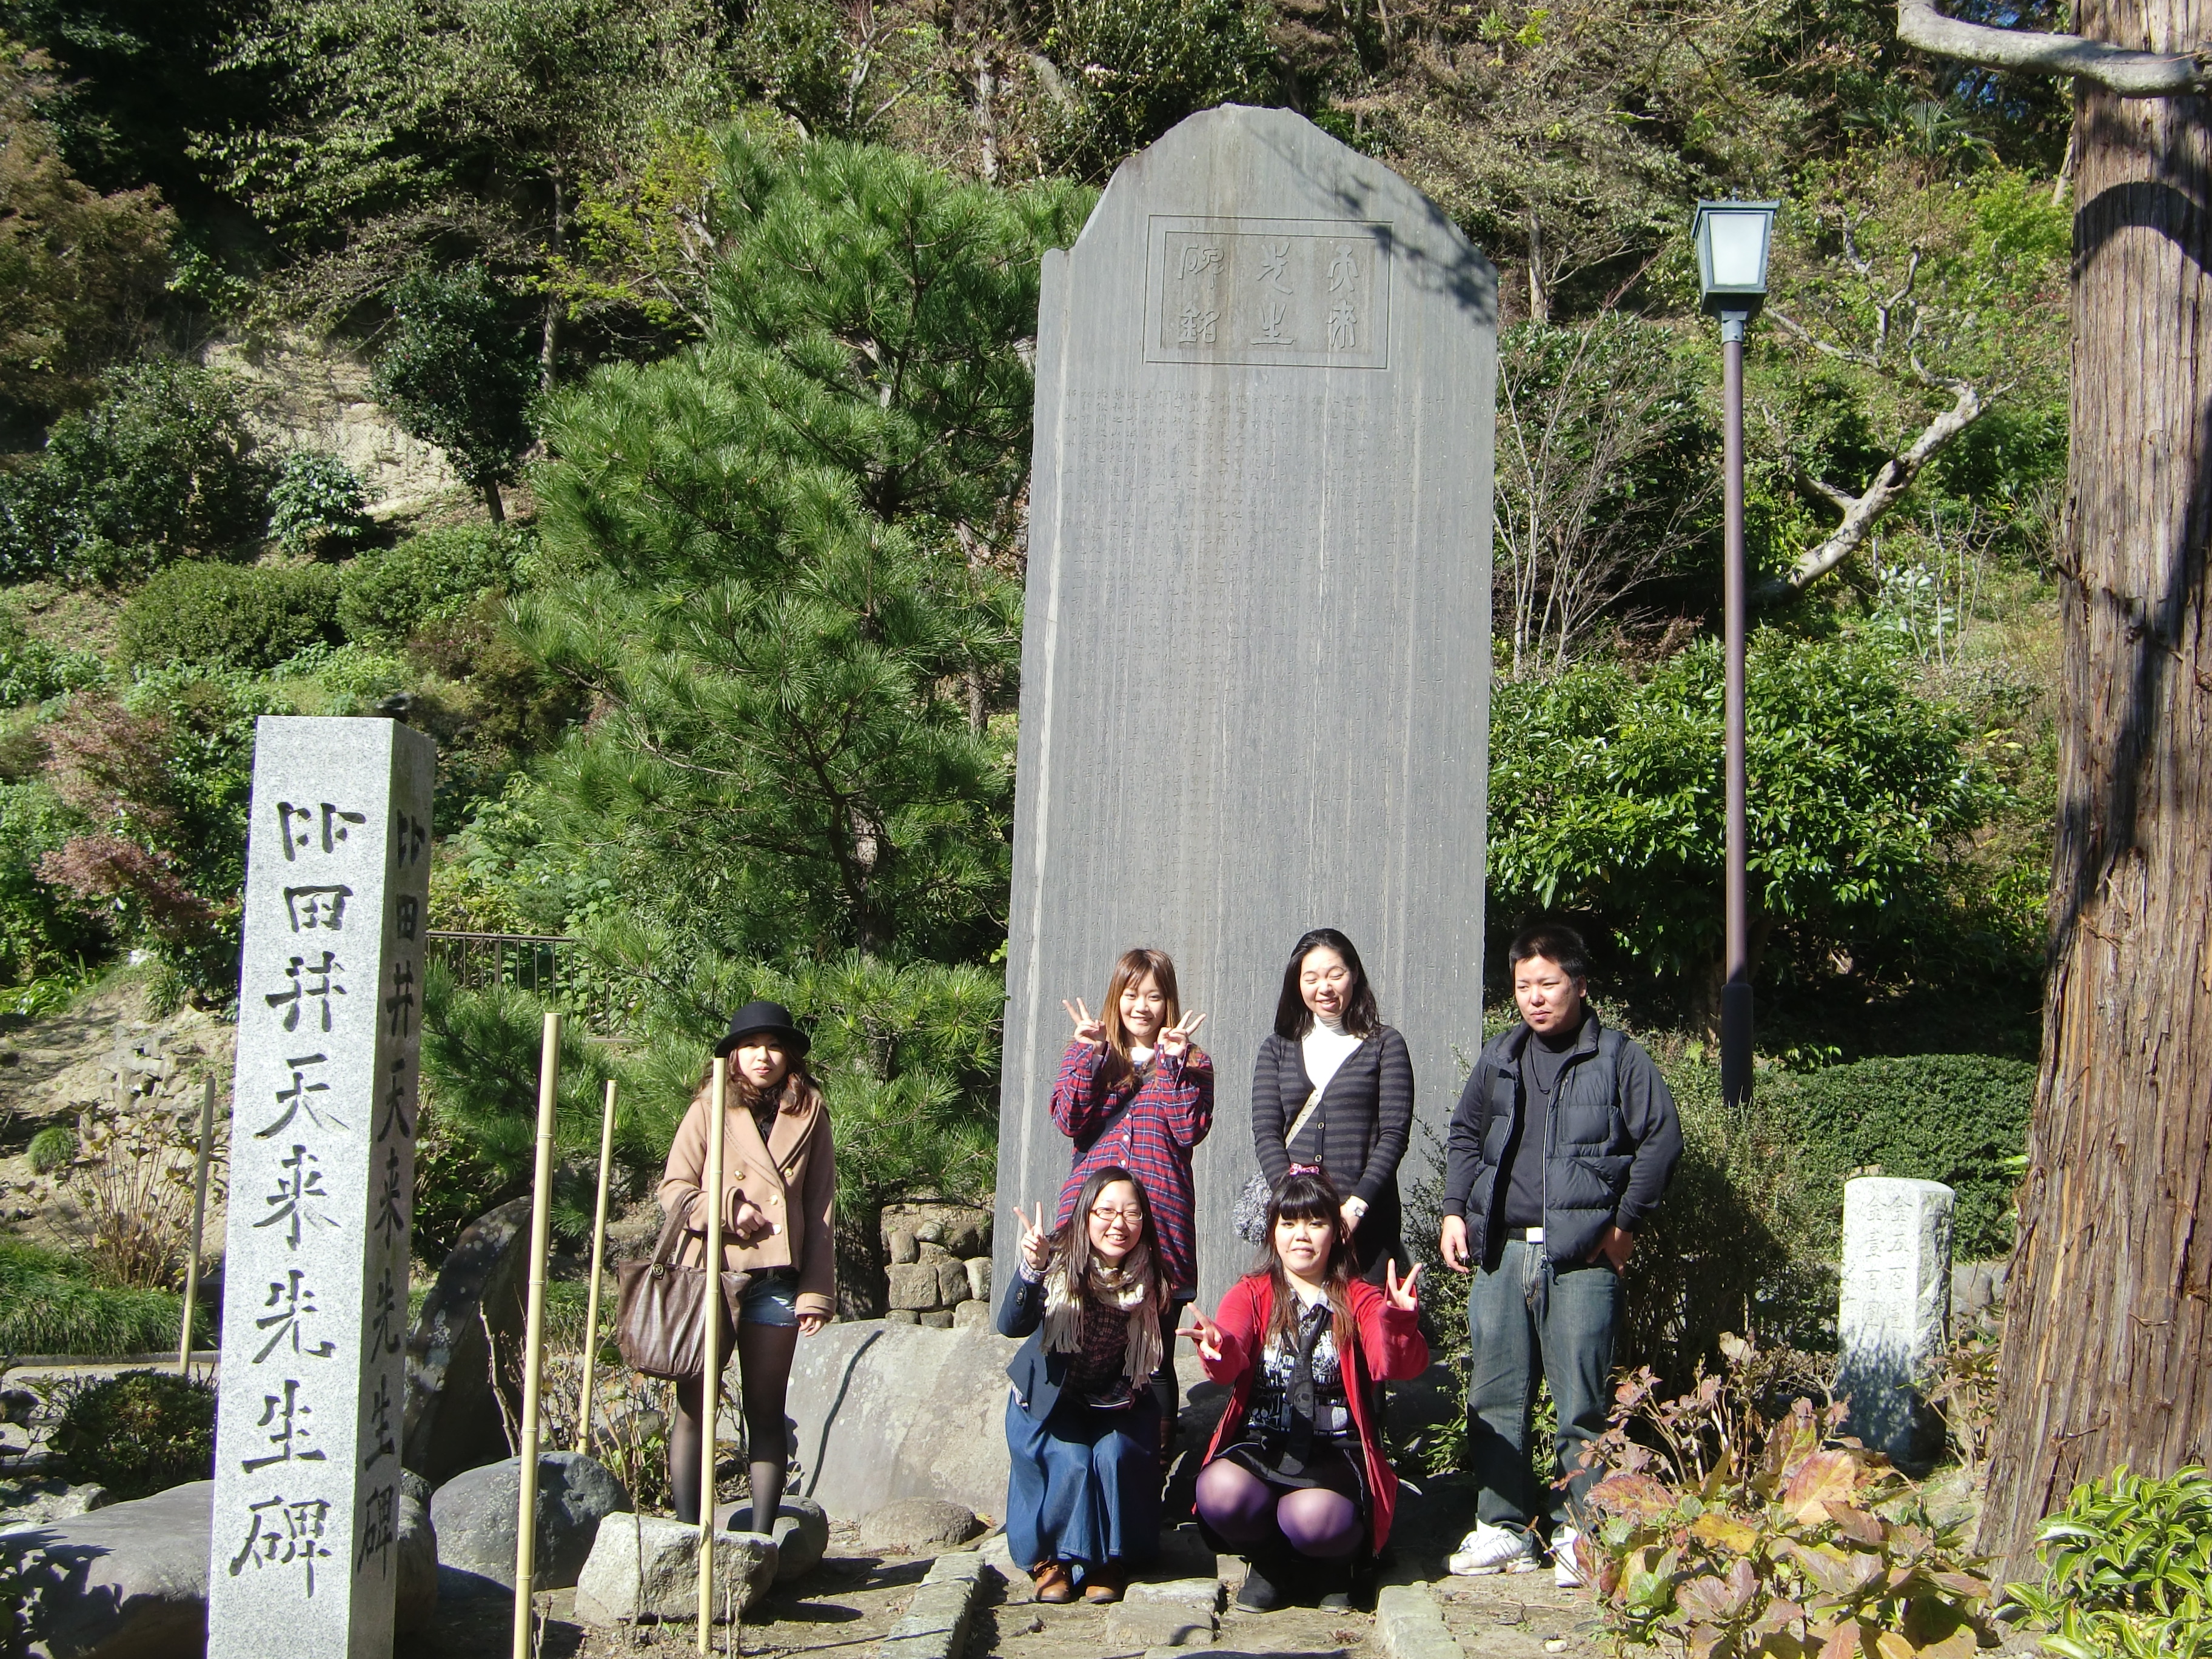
{"x":1315,"y":1523}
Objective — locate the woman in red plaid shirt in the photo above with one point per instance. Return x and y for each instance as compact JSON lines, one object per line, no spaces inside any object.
{"x":1134,"y":1091}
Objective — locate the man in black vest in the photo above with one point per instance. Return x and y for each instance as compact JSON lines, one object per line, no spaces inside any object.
{"x":1562,"y":1143}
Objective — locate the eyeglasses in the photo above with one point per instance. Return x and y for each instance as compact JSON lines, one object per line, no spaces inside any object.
{"x":1107,"y":1217}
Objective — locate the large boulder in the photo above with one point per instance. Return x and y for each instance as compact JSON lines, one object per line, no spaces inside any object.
{"x":453,"y":1420}
{"x":888,"y":1411}
{"x":474,"y":1514}
{"x":644,"y":1569}
{"x":417,"y":1595}
{"x":126,"y":1581}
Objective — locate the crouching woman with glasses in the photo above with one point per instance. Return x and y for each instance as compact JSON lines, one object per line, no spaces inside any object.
{"x":1083,"y":1494}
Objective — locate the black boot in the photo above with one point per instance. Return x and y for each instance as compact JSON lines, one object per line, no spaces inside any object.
{"x":1265,"y":1580}
{"x":1333,"y":1580}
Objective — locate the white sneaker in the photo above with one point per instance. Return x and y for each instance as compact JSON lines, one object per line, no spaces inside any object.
{"x":1491,"y":1549}
{"x":1567,"y":1559}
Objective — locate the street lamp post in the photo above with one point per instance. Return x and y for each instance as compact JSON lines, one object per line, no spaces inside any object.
{"x":1733,"y":239}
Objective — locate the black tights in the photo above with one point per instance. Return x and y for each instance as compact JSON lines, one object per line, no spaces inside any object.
{"x":765,"y":1374}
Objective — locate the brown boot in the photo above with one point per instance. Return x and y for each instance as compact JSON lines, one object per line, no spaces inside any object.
{"x":1105,"y":1583}
{"x":1053,"y":1582}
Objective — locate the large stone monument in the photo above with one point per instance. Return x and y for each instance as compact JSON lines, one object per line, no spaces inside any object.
{"x":1256,"y":646}
{"x":1894,"y":1310}
{"x":303,"y":1557}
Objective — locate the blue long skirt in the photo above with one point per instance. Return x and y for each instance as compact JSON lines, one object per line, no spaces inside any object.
{"x":1084,"y":1486}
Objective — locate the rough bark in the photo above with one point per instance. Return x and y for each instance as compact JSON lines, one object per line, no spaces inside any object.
{"x":2107,"y":1358}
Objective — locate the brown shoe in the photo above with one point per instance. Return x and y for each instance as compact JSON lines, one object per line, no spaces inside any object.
{"x":1106,"y":1584}
{"x":1052,"y":1582}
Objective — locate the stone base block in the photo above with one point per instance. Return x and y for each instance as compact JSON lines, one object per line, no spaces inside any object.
{"x":644,"y":1569}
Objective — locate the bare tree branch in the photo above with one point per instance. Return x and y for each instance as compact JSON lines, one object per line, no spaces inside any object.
{"x":1891,"y":479}
{"x":2131,"y":73}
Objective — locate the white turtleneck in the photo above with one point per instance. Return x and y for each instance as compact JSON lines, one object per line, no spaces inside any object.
{"x":1325,"y":1047}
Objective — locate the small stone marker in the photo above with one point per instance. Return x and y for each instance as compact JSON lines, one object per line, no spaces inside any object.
{"x":1256,"y":643}
{"x":1895,"y":1308}
{"x":303,"y":1554}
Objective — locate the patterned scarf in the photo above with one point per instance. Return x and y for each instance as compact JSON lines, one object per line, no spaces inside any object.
{"x":1128,"y":1289}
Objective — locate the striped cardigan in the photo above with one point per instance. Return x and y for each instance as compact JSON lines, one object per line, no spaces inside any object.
{"x":1365,"y":1119}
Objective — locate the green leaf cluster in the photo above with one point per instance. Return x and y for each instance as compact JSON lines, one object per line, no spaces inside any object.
{"x":458,"y":372}
{"x":243,"y":616}
{"x":385,"y":598}
{"x":2127,"y":1570}
{"x":140,"y":1433}
{"x":50,"y":1303}
{"x":1958,"y":1119}
{"x":317,"y":504}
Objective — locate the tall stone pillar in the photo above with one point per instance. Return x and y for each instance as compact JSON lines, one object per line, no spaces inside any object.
{"x":322,"y":1182}
{"x":1894,"y":1312}
{"x":1256,"y":646}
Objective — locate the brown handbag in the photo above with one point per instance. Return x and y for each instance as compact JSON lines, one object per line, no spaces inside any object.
{"x":658,"y":1323}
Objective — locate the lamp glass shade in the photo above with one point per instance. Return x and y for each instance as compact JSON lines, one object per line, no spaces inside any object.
{"x":1732,"y":241}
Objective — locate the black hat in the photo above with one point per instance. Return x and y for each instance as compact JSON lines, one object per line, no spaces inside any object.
{"x":773,"y":1017}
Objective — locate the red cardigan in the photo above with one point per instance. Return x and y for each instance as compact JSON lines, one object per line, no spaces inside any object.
{"x":1391,"y":1346}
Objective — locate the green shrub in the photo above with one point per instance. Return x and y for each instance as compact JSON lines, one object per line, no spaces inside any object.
{"x":249,"y":617}
{"x":41,"y":930}
{"x":317,"y":504}
{"x":33,"y":670}
{"x":384,"y":598}
{"x":49,"y":1304}
{"x":140,"y":1433}
{"x":2127,"y":1570}
{"x":51,"y":1147}
{"x":1958,"y":1119}
{"x":162,"y":468}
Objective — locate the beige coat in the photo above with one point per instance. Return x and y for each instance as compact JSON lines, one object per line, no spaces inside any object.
{"x":793,"y":1178}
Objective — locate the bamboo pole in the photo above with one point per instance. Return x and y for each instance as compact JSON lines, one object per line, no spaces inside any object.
{"x":199,"y":1221}
{"x":533,"y":1353}
{"x":710,"y":1335}
{"x":598,"y":1261}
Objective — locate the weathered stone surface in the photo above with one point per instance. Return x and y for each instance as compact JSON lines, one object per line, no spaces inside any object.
{"x":938,"y":1319}
{"x":914,"y":1287}
{"x":904,"y":1251}
{"x":979,"y":1278}
{"x":127,"y":1582}
{"x":1175,"y":1614}
{"x":963,"y":1229}
{"x":1408,"y":1625}
{"x":801,"y":1534}
{"x":918,"y":1526}
{"x":888,"y":1411}
{"x":972,"y":1316}
{"x":952,"y":1285}
{"x":312,"y":1386}
{"x":50,"y":1497}
{"x":902,"y":1317}
{"x":1976,"y":1287}
{"x":475,"y":1515}
{"x":931,"y":1251}
{"x":1894,"y":1310}
{"x":454,"y":1421}
{"x":416,"y":1558}
{"x":645,"y":1568}
{"x":1264,"y":381}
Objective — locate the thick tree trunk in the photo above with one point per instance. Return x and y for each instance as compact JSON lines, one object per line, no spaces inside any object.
{"x":2107,"y":1358}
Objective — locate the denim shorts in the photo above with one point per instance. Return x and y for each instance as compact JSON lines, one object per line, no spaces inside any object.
{"x":771,"y":1298}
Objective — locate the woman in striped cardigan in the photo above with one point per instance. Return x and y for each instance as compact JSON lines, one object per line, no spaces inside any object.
{"x":1334,"y":1089}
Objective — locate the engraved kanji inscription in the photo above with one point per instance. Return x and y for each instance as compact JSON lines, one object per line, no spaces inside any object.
{"x":298,"y":826}
{"x":290,"y":1303}
{"x":379,"y":1530}
{"x":408,"y":914}
{"x":1293,"y":294}
{"x":300,"y":1200}
{"x":310,"y":908}
{"x":298,"y":1098}
{"x":284,"y":1532}
{"x":400,"y":1004}
{"x":390,"y":1218}
{"x":399,"y":1096}
{"x":312,"y":982}
{"x":384,"y":1314}
{"x":382,"y":1441}
{"x":409,"y":836}
{"x":287,"y":1421}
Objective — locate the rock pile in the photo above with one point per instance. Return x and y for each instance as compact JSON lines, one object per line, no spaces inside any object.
{"x":940,"y":1264}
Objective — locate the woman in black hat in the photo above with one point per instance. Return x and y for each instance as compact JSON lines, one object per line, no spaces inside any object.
{"x":779,"y":1180}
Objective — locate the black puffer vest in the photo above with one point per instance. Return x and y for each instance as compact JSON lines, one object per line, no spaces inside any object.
{"x":1588,"y":1151}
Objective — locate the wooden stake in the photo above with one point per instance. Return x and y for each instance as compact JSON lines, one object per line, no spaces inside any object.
{"x":710,"y":1385}
{"x":598,"y":1259}
{"x":199,"y":1220}
{"x":533,"y":1353}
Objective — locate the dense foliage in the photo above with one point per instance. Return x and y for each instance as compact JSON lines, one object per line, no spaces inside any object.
{"x":50,"y":1304}
{"x":229,"y":615}
{"x":456,"y":372}
{"x":2127,"y":1570}
{"x":139,"y":1432}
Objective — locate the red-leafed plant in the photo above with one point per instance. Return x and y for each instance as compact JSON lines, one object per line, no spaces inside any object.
{"x":1721,"y":1535}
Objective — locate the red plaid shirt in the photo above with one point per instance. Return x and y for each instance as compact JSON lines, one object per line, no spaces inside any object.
{"x":1170,"y":1115}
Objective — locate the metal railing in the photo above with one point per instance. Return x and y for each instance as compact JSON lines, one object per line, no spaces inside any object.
{"x":520,"y":961}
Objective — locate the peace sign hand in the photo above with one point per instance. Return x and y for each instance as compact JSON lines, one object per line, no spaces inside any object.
{"x":1401,"y":1291}
{"x":1204,"y":1333}
{"x":1175,"y":1039}
{"x":1089,"y":1027}
{"x":1036,"y":1242}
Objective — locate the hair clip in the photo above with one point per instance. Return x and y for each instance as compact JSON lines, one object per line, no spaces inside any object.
{"x":1305,"y":1168}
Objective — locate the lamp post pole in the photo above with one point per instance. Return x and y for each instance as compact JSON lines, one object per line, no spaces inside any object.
{"x":1735,"y":989}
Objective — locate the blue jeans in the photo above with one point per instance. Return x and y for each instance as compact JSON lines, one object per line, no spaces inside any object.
{"x":1084,"y":1488}
{"x":1533,"y":1312}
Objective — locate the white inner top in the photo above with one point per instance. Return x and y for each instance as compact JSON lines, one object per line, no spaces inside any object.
{"x":1326,"y":1046}
{"x":1139,"y":1056}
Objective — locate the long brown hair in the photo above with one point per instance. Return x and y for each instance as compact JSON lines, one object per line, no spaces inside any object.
{"x":1131,"y":969}
{"x":1310,"y":1197}
{"x":795,"y":1093}
{"x":1072,"y":1235}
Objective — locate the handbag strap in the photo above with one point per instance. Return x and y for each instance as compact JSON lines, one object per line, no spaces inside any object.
{"x":670,"y":1230}
{"x":1298,"y":1124}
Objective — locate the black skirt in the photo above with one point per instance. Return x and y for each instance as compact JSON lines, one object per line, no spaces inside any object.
{"x":1334,"y":1464}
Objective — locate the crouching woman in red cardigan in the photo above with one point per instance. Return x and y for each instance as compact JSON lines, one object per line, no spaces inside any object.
{"x":1295,"y":1479}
